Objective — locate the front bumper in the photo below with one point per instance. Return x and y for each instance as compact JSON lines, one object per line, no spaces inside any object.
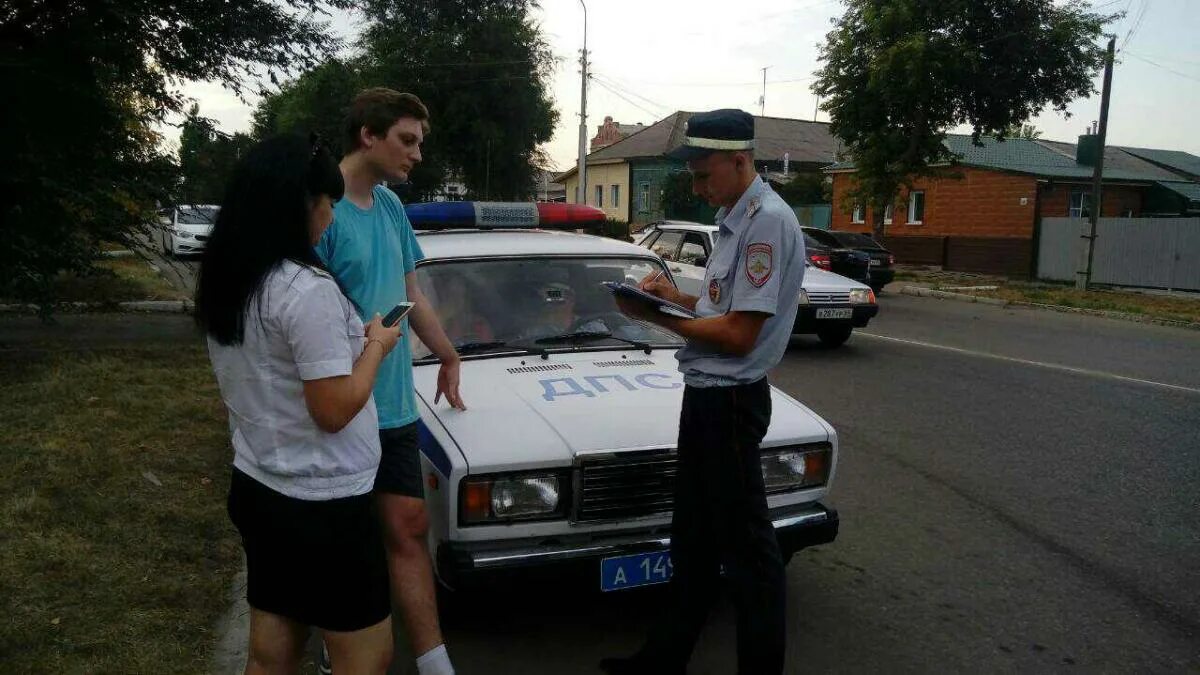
{"x":807,"y":321}
{"x":881,"y":276}
{"x":465,"y":565}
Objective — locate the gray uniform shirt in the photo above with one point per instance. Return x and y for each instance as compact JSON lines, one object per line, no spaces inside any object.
{"x":758,"y":266}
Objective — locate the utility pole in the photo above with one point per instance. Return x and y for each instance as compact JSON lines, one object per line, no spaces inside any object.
{"x":583,"y":69}
{"x":1084,"y":276}
{"x":762,"y":100}
{"x":816,"y":107}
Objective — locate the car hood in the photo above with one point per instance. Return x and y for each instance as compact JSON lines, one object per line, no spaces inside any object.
{"x":526,"y":413}
{"x":195,"y":229}
{"x":817,"y":279}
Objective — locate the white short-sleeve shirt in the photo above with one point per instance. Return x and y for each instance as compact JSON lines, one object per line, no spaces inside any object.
{"x":299,"y":327}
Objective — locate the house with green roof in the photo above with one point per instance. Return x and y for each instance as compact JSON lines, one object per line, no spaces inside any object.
{"x":626,"y":179}
{"x":984,"y":215}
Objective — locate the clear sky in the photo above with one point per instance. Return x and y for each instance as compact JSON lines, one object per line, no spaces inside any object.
{"x":653,"y":57}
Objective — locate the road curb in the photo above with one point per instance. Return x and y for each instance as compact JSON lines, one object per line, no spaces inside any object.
{"x":135,"y":306}
{"x":922,"y":292}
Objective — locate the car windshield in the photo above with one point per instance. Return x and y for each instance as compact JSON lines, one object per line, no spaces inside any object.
{"x":535,"y":303}
{"x":197,"y":215}
{"x":855,"y":240}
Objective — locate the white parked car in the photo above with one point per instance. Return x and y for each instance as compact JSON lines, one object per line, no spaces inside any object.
{"x":831,"y":305}
{"x":185,"y":228}
{"x":565,"y":458}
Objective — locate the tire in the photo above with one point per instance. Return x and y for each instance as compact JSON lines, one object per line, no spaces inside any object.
{"x":834,"y":336}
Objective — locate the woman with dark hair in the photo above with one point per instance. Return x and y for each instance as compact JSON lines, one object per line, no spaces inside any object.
{"x":296,"y":368}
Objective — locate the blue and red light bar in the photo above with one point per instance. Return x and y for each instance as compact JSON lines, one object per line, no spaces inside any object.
{"x":505,"y":215}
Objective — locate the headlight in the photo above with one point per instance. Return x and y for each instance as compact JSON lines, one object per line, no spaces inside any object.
{"x":862,"y":296}
{"x":803,"y":297}
{"x":796,"y":468}
{"x":505,"y":498}
{"x":183,"y":234}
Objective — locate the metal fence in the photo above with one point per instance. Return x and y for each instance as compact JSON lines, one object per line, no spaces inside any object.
{"x":814,"y":215}
{"x":1149,"y":252}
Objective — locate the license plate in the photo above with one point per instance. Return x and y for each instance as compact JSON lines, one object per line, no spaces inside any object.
{"x":829,"y":313}
{"x":631,"y":571}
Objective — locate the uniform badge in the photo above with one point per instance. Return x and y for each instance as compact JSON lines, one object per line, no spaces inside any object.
{"x":714,"y":291}
{"x":752,"y":207}
{"x":759,"y":263}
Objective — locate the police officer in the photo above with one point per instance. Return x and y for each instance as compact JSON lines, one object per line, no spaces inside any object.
{"x":747,"y":307}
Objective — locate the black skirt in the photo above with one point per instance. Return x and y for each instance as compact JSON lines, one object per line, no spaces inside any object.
{"x":321,"y":563}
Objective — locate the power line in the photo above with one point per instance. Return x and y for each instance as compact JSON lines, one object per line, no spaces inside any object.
{"x":1166,"y":68}
{"x":1137,"y":24}
{"x":626,"y":99}
{"x":613,"y":82}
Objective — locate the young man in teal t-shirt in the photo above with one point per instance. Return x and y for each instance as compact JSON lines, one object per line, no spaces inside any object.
{"x":371,"y":250}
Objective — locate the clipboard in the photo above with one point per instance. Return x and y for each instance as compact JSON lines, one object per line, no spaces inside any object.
{"x":664,"y":306}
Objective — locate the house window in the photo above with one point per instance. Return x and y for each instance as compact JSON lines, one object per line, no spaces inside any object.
{"x":916,"y":207}
{"x":600,"y":196}
{"x":616,"y":196}
{"x":644,"y":197}
{"x":857,"y":216}
{"x":887,"y":214}
{"x":1081,"y":202}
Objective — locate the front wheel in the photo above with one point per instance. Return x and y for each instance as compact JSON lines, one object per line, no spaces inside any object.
{"x":834,"y":336}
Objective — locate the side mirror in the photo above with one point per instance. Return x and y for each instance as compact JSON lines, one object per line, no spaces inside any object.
{"x":700,"y":262}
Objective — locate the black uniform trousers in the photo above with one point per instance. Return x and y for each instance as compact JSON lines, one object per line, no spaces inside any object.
{"x":721,"y":519}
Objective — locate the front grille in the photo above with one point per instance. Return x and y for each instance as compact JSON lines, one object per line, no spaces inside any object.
{"x":828,"y":298}
{"x":540,"y":369}
{"x":201,"y":237}
{"x":630,"y":486}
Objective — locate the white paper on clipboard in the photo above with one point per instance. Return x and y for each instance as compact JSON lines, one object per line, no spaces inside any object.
{"x":664,"y":306}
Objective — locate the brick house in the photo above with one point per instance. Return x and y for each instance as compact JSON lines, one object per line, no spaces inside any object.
{"x":610,"y":132}
{"x":985,"y":218}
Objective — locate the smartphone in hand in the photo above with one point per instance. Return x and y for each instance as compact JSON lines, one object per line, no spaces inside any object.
{"x":398,"y":312}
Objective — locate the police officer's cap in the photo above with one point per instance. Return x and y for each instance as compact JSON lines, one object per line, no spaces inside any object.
{"x":716,"y":131}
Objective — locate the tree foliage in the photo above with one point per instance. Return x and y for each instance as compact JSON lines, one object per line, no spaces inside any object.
{"x":898,"y":74}
{"x":480,"y":66}
{"x":88,"y":81}
{"x":206,"y":159}
{"x":806,"y":188}
{"x":1026,"y":131}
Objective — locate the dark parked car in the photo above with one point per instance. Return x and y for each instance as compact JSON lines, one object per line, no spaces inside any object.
{"x":828,"y":253}
{"x":882,"y":260}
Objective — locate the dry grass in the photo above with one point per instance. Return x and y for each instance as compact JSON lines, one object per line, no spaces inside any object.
{"x":116,"y":280}
{"x":115,"y":551}
{"x":1153,"y":306}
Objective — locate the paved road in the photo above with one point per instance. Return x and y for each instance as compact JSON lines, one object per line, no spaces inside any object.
{"x":1018,"y":492}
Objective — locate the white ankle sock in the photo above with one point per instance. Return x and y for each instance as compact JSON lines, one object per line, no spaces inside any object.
{"x":436,"y":661}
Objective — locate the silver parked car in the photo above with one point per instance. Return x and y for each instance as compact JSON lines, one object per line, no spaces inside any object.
{"x":831,"y":305}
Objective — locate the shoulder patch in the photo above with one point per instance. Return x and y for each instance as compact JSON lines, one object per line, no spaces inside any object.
{"x":759,"y":263}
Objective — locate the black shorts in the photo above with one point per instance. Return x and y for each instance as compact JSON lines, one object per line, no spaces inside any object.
{"x":320,"y":563}
{"x":400,"y":464}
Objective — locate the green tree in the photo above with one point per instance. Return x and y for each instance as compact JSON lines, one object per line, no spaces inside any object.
{"x":480,"y":66}
{"x":806,"y":188}
{"x":207,"y":157}
{"x":678,"y":200}
{"x":89,"y":81}
{"x":1025,"y":131}
{"x":897,"y":74}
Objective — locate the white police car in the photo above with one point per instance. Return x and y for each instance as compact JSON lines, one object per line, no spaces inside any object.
{"x":565,"y":457}
{"x":831,"y":305}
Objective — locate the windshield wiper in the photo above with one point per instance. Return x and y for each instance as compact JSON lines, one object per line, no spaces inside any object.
{"x":478,"y":346}
{"x":590,"y":335}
